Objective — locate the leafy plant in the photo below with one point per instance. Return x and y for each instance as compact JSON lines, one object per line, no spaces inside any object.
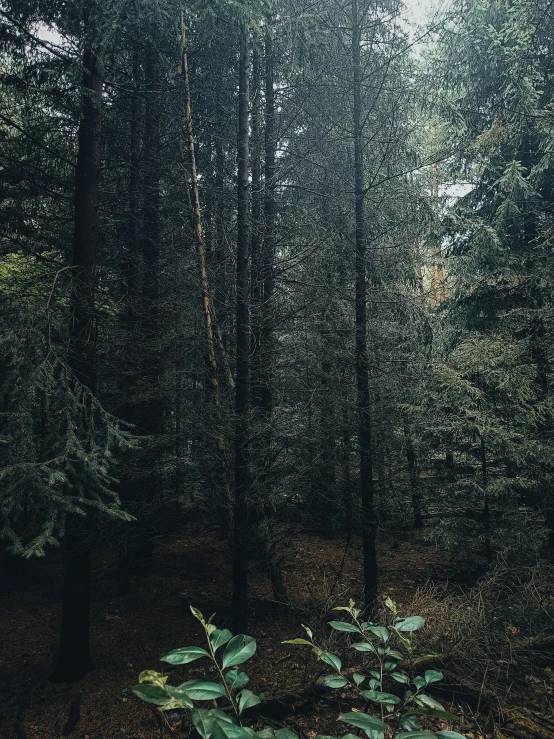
{"x":391,"y":661}
{"x":225,"y":722}
{"x":390,"y":648}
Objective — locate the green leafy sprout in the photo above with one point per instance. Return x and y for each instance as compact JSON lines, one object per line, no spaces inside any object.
{"x":391,"y":658}
{"x":388,"y":650}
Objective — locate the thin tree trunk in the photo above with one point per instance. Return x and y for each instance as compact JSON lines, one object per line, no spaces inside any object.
{"x":240,"y":507}
{"x":150,"y":406}
{"x":486,"y":510}
{"x":414,"y":478}
{"x":267,"y":337}
{"x":207,"y":304}
{"x":256,"y":231}
{"x":347,"y":490}
{"x":198,"y":231}
{"x":131,"y":325}
{"x":362,"y":363}
{"x":74,"y":657}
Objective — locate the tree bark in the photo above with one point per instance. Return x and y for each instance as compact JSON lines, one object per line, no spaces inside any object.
{"x":240,"y":503}
{"x":74,"y":659}
{"x":367,"y":491}
{"x":486,"y":509}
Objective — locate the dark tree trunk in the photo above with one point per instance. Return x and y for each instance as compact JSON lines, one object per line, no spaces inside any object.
{"x":367,"y":491}
{"x":240,"y":503}
{"x":150,"y":420}
{"x":347,"y":483}
{"x":144,"y":407}
{"x":131,"y":325}
{"x":486,"y":511}
{"x":414,"y":479}
{"x":267,"y":276}
{"x":74,"y":657}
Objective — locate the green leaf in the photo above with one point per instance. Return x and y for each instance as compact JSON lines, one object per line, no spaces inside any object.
{"x":203,"y":720}
{"x":202,"y":690}
{"x":428,"y":701}
{"x":247,"y":699}
{"x":381,"y":631}
{"x":151,"y":676}
{"x":236,"y":678}
{"x":397,"y":655}
{"x":449,"y":735}
{"x":363,"y":646}
{"x":412,"y":623}
{"x":350,"y":736}
{"x":183,"y":655}
{"x":415,"y":735}
{"x":266,"y":734}
{"x":400,"y":677}
{"x":222,"y":716}
{"x":332,"y":659}
{"x":216,"y":724}
{"x":433,"y":676}
{"x":342,"y":626}
{"x":180,"y":695}
{"x":372,"y":726}
{"x":410,"y":723}
{"x":285,"y":734}
{"x":358,"y":678}
{"x":366,"y":625}
{"x":378,"y":697}
{"x":196,"y":613}
{"x":219,"y":637}
{"x":171,"y":705}
{"x":419,"y":681}
{"x":297,"y":641}
{"x":150,"y":694}
{"x":238,"y":650}
{"x":227,"y":730}
{"x":335,"y":681}
{"x":424,"y":658}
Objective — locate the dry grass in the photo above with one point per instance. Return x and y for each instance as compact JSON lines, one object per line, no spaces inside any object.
{"x":495,"y":636}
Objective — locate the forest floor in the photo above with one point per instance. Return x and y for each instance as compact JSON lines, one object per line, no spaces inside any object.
{"x":129,"y":633}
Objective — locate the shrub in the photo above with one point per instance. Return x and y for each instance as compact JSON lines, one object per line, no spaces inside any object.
{"x":389,"y":649}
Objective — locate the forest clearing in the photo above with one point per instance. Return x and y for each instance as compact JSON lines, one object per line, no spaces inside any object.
{"x":277,"y":369}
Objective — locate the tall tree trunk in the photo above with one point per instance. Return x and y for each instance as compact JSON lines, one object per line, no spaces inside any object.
{"x":131,"y":324}
{"x":74,"y":657}
{"x":414,"y":478}
{"x":347,"y":489}
{"x":486,"y":509}
{"x":267,"y":337}
{"x":240,"y":504}
{"x":145,"y":408}
{"x":207,"y":304}
{"x":367,"y":492}
{"x":151,"y":420}
{"x":256,"y":230}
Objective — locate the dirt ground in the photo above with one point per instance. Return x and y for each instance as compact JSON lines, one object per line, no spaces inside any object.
{"x":129,"y":633}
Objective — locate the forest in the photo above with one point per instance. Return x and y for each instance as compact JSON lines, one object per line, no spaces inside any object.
{"x":277,"y":369}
